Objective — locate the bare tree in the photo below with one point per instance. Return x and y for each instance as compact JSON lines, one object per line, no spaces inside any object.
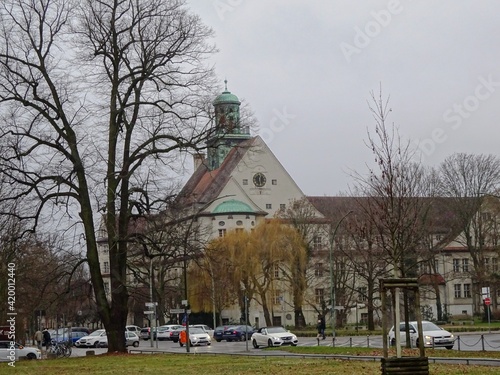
{"x":366,"y":260}
{"x":93,"y":96}
{"x":395,"y":189}
{"x":469,"y":181}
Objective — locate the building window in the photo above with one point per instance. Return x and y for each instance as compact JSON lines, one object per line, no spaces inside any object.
{"x":222,"y":223}
{"x":465,"y":265}
{"x":245,"y":181}
{"x":487,"y":264}
{"x":277,"y":297}
{"x":456,"y":265}
{"x":106,"y":287}
{"x":486,"y":216}
{"x":320,"y":295}
{"x":318,"y":269}
{"x":106,"y":267}
{"x":362,"y":294}
{"x":269,"y":206}
{"x":467,"y":293}
{"x":239,"y":222}
{"x":438,"y":237}
{"x":276,"y":271}
{"x":364,"y":319}
{"x":282,"y":206}
{"x":222,"y":233}
{"x":274,"y":182}
{"x":317,"y":243}
{"x":458,"y":290}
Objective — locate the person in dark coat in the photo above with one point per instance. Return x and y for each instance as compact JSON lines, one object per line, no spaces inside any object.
{"x":46,"y":339}
{"x":321,"y":326}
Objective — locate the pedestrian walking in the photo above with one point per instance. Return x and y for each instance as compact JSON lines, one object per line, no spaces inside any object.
{"x":38,"y":338}
{"x":46,"y":339}
{"x":321,"y":326}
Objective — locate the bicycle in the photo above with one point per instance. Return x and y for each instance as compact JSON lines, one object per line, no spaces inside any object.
{"x":61,"y":349}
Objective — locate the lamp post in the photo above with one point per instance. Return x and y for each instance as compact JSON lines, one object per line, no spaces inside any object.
{"x":153,"y":320}
{"x":332,"y":284}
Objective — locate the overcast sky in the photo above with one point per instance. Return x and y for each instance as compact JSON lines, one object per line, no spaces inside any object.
{"x":307,"y":67}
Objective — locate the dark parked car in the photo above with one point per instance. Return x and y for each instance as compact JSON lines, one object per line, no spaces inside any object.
{"x":238,"y":333}
{"x":174,"y":335}
{"x":218,"y":332}
{"x":145,"y":333}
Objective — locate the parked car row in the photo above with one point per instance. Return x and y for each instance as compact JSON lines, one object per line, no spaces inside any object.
{"x":159,"y":333}
{"x":265,"y":336}
{"x":99,"y":338}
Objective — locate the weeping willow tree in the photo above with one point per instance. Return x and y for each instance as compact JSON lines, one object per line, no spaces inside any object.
{"x":247,"y":264}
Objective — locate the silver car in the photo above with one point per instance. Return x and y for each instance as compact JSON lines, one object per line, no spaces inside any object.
{"x":131,"y":339}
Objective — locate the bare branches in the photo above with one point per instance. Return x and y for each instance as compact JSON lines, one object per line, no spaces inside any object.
{"x":95,"y":98}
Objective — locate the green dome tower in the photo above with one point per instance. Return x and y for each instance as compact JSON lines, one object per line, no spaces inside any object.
{"x":228,"y":131}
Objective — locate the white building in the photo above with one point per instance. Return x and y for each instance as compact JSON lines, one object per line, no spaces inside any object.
{"x":240,"y":182}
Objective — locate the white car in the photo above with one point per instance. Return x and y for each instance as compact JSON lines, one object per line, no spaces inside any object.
{"x":17,"y":351}
{"x":434,"y":336}
{"x":273,"y":336}
{"x":92,"y":340}
{"x":131,"y":339}
{"x":132,"y":328}
{"x":204,"y":327}
{"x":197,"y":336}
{"x":163,"y":332}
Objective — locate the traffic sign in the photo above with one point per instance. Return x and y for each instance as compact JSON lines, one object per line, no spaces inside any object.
{"x":148,"y":312}
{"x":151,"y":304}
{"x":179,"y":311}
{"x":487,"y":301}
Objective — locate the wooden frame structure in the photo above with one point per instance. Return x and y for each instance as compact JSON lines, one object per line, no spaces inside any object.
{"x":408,"y":365}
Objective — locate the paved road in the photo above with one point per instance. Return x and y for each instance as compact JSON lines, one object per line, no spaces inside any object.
{"x":465,"y":342}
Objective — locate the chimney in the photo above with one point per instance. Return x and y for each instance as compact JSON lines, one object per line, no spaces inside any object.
{"x":198,"y":159}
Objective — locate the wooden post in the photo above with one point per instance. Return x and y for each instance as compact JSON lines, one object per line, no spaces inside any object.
{"x":418,"y":313}
{"x":383,"y":295}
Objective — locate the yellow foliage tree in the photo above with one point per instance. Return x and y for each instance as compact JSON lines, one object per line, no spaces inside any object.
{"x":247,"y":264}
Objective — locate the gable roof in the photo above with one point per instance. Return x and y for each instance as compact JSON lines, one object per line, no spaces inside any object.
{"x":205,"y":185}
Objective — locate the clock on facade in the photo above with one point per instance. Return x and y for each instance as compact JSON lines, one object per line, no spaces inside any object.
{"x":259,"y":179}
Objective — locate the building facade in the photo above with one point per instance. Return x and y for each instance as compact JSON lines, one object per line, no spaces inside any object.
{"x":239,"y":183}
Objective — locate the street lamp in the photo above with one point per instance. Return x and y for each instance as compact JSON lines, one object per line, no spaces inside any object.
{"x":152,"y":304}
{"x":332,"y":284}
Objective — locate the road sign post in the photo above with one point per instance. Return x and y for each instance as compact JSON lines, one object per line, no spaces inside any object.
{"x":487,"y":303}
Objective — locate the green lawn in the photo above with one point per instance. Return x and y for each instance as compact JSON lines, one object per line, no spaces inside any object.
{"x":195,"y":364}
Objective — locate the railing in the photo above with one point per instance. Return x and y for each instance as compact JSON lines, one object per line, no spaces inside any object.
{"x":487,"y":342}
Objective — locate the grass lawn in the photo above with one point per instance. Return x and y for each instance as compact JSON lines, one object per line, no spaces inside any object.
{"x":392,"y":352}
{"x":195,"y":364}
